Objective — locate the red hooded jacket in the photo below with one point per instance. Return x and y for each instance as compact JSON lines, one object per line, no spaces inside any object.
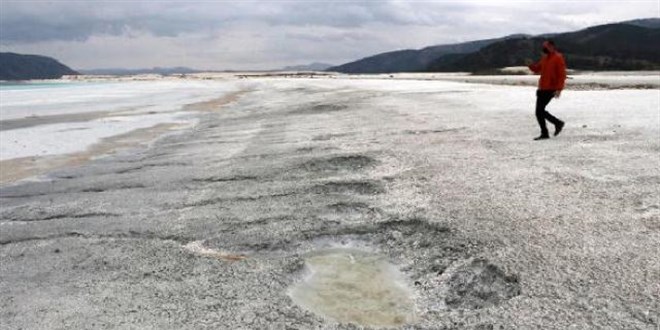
{"x":553,"y":71}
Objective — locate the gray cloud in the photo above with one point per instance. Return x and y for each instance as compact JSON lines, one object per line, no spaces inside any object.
{"x":30,"y":21}
{"x":266,"y":34}
{"x":27,"y":22}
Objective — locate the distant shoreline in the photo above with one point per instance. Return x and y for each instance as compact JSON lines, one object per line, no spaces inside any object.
{"x":577,"y":80}
{"x":45,"y":138}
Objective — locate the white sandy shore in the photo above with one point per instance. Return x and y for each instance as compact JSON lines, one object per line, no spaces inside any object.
{"x":490,"y":229}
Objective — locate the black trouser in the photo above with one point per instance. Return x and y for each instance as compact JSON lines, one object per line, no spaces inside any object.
{"x":543,"y":97}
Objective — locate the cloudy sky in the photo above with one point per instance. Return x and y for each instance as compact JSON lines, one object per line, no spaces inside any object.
{"x":214,"y":34}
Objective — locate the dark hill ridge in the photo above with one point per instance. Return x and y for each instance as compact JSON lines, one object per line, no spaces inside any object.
{"x":651,"y":23}
{"x":315,"y":66}
{"x":628,"y":45}
{"x":24,"y":67}
{"x":411,"y":60}
{"x":605,"y":47}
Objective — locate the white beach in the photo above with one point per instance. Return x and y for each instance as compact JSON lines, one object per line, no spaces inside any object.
{"x":480,"y":225}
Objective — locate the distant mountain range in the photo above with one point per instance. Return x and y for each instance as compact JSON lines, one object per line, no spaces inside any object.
{"x":24,"y":67}
{"x":651,"y":23}
{"x":630,"y":45}
{"x":606,"y":47}
{"x":128,"y":72}
{"x":412,"y":60}
{"x":316,"y":66}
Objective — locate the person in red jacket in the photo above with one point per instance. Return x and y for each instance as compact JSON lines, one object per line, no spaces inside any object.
{"x":552,"y":69}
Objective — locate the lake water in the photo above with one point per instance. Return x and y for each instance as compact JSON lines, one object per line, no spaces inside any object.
{"x":350,"y":285}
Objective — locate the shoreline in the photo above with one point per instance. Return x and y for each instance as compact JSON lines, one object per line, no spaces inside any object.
{"x":18,"y":169}
{"x":14,"y":170}
{"x":580,"y":80}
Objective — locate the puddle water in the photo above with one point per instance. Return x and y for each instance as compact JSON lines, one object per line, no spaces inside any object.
{"x":349,"y":285}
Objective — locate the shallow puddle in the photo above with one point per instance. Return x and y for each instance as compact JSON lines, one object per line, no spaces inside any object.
{"x":349,"y":285}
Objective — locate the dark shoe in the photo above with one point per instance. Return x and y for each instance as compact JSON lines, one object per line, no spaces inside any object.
{"x":558,"y":128}
{"x":542,"y":137}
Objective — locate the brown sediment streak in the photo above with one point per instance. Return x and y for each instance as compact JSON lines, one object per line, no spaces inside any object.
{"x":216,"y":104}
{"x":20,"y":168}
{"x":26,"y":122}
{"x":197,"y":247}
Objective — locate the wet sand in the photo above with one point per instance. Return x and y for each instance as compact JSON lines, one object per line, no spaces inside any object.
{"x":52,"y":119}
{"x":216,"y":104}
{"x":16,"y":169}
